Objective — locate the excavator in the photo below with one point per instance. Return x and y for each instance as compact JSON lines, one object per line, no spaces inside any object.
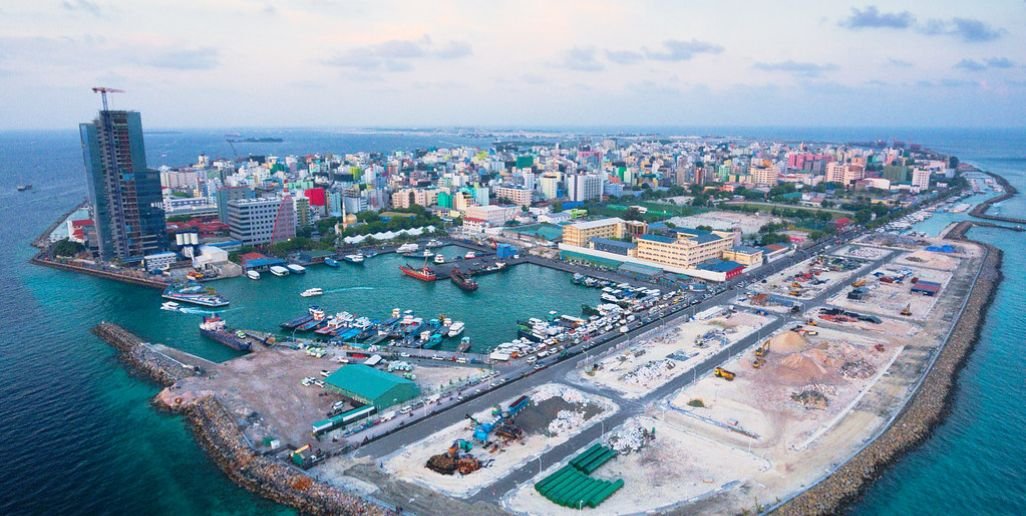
{"x":907,"y":311}
{"x":456,"y":458}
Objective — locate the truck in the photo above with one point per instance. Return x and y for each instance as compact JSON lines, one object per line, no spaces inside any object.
{"x":720,"y":372}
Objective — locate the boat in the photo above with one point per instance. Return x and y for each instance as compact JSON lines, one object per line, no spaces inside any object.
{"x":331,"y":262}
{"x":407,"y":248}
{"x":311,"y":292}
{"x":423,"y":274}
{"x":295,"y":268}
{"x":354,"y":258}
{"x":433,"y":243}
{"x":253,"y":275}
{"x":464,"y":345}
{"x":469,"y":256}
{"x":427,"y":253}
{"x":23,"y":187}
{"x":456,"y":329}
{"x":278,"y":270}
{"x":192,"y":292}
{"x":462,"y":281}
{"x":439,"y":259}
{"x":213,"y":328}
{"x":370,"y":254}
{"x":170,"y":306}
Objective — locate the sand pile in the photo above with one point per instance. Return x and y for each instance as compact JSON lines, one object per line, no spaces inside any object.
{"x":788,"y":342}
{"x":798,"y":368}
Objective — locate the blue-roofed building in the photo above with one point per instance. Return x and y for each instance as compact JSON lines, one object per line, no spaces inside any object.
{"x":610,"y":245}
{"x":729,"y":269}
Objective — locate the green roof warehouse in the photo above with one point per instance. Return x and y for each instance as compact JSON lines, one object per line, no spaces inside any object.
{"x":371,"y":386}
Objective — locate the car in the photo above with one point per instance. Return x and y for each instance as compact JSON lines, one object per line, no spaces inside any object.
{"x":538,"y":366}
{"x":404,"y":355}
{"x":325,"y":373}
{"x":437,"y":357}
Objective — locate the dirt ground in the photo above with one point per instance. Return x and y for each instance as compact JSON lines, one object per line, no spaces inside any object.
{"x":676,"y":467}
{"x":409,"y":463}
{"x":783,"y":282}
{"x":889,"y":299}
{"x":931,"y":260}
{"x":861,"y":251}
{"x":653,"y":361}
{"x":433,"y":379}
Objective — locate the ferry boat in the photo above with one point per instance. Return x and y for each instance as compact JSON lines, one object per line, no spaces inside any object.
{"x":470,"y":255}
{"x":439,"y":259}
{"x":354,"y":258}
{"x":311,"y":292}
{"x":296,"y":268}
{"x":462,"y":281}
{"x":464,"y":345}
{"x":213,"y":328}
{"x":331,"y":262}
{"x":407,"y":248}
{"x":253,"y":275}
{"x":170,"y":306}
{"x":194,"y":293}
{"x":278,"y":270}
{"x":456,"y":329}
{"x":433,"y":243}
{"x":423,"y":274}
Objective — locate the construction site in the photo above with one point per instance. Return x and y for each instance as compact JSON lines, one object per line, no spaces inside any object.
{"x":638,"y":366}
{"x":807,"y":279}
{"x":463,"y":458}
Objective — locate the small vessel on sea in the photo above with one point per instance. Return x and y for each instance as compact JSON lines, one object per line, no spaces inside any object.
{"x":311,"y":292}
{"x":462,"y":280}
{"x":423,"y":274}
{"x":170,"y":306}
{"x":278,"y":270}
{"x":213,"y":328}
{"x":469,"y":256}
{"x":407,"y":248}
{"x":354,"y":258}
{"x":464,"y":345}
{"x":439,"y":259}
{"x":253,"y":275}
{"x":331,"y":262}
{"x":295,"y":268}
{"x":456,"y":329}
{"x":24,"y":187}
{"x":192,"y":292}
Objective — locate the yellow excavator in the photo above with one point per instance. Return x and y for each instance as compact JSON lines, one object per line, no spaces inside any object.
{"x":763,"y":349}
{"x":907,"y":310}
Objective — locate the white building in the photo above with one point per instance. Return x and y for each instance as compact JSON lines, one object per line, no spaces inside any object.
{"x":251,"y":221}
{"x":920,"y":179}
{"x":584,"y":187}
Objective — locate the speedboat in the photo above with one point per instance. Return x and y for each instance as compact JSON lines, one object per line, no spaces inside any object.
{"x":439,"y":259}
{"x":456,"y":329}
{"x":470,"y":255}
{"x":253,"y":275}
{"x":170,"y":306}
{"x":311,"y":292}
{"x":407,"y":248}
{"x":278,"y":270}
{"x":427,"y":253}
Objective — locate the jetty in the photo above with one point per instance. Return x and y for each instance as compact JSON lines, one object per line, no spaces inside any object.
{"x":980,"y":210}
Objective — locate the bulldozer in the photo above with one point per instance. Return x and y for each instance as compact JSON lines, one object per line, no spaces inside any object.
{"x":907,"y":311}
{"x":723,"y":373}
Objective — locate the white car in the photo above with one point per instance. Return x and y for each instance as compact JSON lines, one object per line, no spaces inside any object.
{"x":404,"y":354}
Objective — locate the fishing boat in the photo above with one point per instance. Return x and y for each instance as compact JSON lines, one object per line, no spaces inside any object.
{"x":462,"y":281}
{"x":331,"y":262}
{"x":354,"y":258}
{"x":407,"y":248}
{"x":213,"y":328}
{"x":295,"y":268}
{"x":311,"y":292}
{"x":456,"y":329}
{"x":464,"y":345}
{"x":192,"y":292}
{"x":439,"y":259}
{"x":278,"y":270}
{"x":423,"y":274}
{"x":170,"y":306}
{"x":253,"y":275}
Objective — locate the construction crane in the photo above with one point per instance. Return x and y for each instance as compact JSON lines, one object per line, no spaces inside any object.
{"x":103,"y":91}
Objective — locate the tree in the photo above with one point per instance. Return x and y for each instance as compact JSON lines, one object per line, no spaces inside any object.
{"x":633,"y":214}
{"x":556,"y":206}
{"x":704,"y":228}
{"x":66,"y":247}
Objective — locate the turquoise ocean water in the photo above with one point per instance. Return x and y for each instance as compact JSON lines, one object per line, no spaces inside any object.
{"x":77,"y":434}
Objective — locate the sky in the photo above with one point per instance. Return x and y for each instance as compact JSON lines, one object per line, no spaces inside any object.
{"x":523,"y":63}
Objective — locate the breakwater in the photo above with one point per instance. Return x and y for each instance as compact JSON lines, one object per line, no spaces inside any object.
{"x":125,"y":276}
{"x":143,"y":357}
{"x":927,"y":409}
{"x":980,"y":210}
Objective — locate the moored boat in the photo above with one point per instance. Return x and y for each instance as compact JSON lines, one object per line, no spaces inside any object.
{"x":213,"y":327}
{"x":439,"y":259}
{"x":253,"y":275}
{"x":331,"y":262}
{"x":464,"y":345}
{"x":295,"y":268}
{"x":407,"y":248}
{"x":456,"y":329}
{"x":354,"y":258}
{"x":423,"y":274}
{"x":462,"y":280}
{"x":278,"y":270}
{"x":469,"y":256}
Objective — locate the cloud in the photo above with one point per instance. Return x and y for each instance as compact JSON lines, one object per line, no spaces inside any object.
{"x":397,"y":55}
{"x":973,"y":65}
{"x":85,"y":6}
{"x":195,"y":59}
{"x":581,"y":59}
{"x":900,"y":63}
{"x":797,"y":68}
{"x":677,"y":50}
{"x":872,"y":18}
{"x":624,"y":56}
{"x":966,"y":29}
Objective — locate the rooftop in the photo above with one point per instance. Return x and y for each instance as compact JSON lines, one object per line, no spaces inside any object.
{"x":720,"y":266}
{"x":613,"y":243}
{"x":658,"y":238}
{"x":365,"y":381}
{"x":747,"y":249}
{"x":591,"y":224}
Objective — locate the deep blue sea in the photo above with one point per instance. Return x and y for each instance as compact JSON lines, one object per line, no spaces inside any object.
{"x":77,"y":434}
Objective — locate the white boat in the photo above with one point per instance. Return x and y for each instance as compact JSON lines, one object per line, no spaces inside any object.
{"x":170,"y":306}
{"x":253,"y":275}
{"x":278,"y":270}
{"x":433,"y":243}
{"x":311,"y":292}
{"x":456,"y":329}
{"x":427,"y":254}
{"x":470,"y":255}
{"x":407,"y":248}
{"x":439,"y":259}
{"x":354,"y":258}
{"x":296,"y":268}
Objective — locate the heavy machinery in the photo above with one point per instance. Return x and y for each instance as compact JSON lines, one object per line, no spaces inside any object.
{"x":720,"y":372}
{"x":503,"y":420}
{"x":456,"y":458}
{"x":758,"y":362}
{"x":762,"y":349}
{"x":907,"y":311}
{"x":861,"y":282}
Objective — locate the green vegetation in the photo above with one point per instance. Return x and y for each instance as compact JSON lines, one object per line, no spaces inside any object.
{"x":697,"y":403}
{"x":67,"y":248}
{"x":179,"y":218}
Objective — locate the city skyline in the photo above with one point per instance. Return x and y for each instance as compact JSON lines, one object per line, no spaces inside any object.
{"x":319,"y":63}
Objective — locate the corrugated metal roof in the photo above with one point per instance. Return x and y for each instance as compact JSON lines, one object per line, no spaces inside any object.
{"x":720,"y":266}
{"x":658,"y":238}
{"x":365,"y":382}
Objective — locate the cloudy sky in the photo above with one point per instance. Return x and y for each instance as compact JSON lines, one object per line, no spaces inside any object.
{"x":233,"y":63}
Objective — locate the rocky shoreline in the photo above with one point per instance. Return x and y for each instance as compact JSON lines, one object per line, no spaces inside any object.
{"x":219,"y":435}
{"x":927,"y":409}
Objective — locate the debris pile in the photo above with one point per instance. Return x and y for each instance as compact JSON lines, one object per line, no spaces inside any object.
{"x":858,"y":369}
{"x":630,"y":437}
{"x":649,"y":371}
{"x":813,"y":397}
{"x":565,"y":421}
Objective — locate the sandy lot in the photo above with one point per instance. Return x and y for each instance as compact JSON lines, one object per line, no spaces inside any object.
{"x":888,"y":299}
{"x":549,"y":402}
{"x":806,"y":279}
{"x":652,"y":361}
{"x":930,"y":260}
{"x":862,"y":251}
{"x":676,"y":467}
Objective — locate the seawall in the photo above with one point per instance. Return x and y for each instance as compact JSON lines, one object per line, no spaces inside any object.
{"x":142,"y":357}
{"x":980,"y":210}
{"x":927,"y":409}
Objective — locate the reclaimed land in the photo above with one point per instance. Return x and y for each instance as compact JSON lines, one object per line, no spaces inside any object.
{"x":219,"y":435}
{"x":927,"y":410}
